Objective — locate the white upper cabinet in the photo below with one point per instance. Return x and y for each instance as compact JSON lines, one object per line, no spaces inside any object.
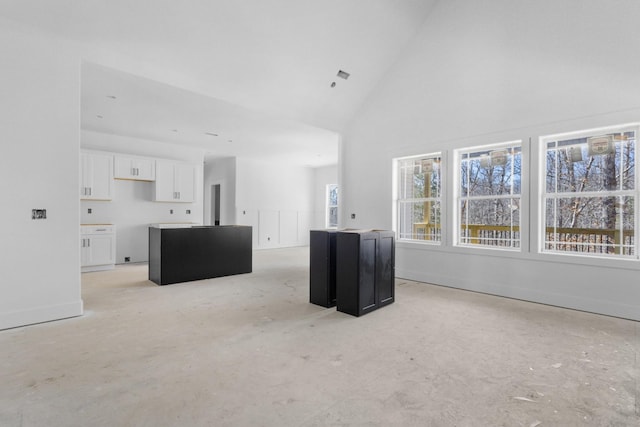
{"x":96,"y":176}
{"x":136,"y":168}
{"x":175,"y":182}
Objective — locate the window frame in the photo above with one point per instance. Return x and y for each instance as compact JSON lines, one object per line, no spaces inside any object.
{"x":328,"y":206}
{"x":545,"y":195}
{"x":399,"y":201}
{"x":458,"y":197}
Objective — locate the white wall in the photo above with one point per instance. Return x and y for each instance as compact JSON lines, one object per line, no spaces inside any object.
{"x":277,"y":200}
{"x":39,"y":168}
{"x":137,"y":146}
{"x":482,"y":72}
{"x":321,"y":178}
{"x":223,"y":172}
{"x":132,"y":208}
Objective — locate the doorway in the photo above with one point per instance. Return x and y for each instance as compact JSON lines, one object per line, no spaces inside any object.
{"x":215,"y":204}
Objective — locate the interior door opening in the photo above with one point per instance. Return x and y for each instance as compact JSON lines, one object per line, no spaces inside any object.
{"x":215,"y":204}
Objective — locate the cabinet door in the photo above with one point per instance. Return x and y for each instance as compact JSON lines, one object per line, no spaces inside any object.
{"x":97,"y":177}
{"x":385,"y":269}
{"x":164,"y":186}
{"x":85,"y":175}
{"x":185,"y":182}
{"x":85,"y":254}
{"x":123,"y":168}
{"x":145,"y":169}
{"x":101,"y":249}
{"x":134,"y":168}
{"x":102,"y":177}
{"x":367,"y":284}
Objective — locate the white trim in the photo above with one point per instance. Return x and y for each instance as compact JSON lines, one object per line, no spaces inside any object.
{"x":398,"y":201}
{"x":327,"y":206}
{"x":458,"y":197}
{"x":544,"y":195}
{"x":41,"y":314}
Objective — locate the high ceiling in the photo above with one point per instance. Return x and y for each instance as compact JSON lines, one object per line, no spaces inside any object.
{"x":256,"y":72}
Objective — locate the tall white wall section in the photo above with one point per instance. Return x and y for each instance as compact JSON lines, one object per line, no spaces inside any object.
{"x":488,"y":72}
{"x":39,"y":169}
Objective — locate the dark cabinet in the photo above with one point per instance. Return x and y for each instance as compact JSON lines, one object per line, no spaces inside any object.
{"x":185,"y":254}
{"x":322,"y":267}
{"x":365,"y":270}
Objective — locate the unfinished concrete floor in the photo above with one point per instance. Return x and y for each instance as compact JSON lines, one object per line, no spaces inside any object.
{"x":250,"y":350}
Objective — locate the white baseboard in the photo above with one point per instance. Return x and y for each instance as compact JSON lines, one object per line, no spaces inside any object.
{"x":574,"y":302}
{"x":91,"y":268}
{"x":15,"y":319}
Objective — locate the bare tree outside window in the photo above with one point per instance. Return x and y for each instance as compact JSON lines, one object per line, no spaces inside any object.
{"x":419,"y":198}
{"x":590,"y":193}
{"x":332,"y":206}
{"x":489,"y":196}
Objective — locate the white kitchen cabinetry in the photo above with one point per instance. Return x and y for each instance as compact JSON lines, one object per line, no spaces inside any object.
{"x":135,"y":168}
{"x":96,"y":176}
{"x":97,"y":247}
{"x":175,"y":182}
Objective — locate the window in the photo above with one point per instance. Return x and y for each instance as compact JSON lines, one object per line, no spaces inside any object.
{"x":418,"y":203}
{"x":332,"y":206}
{"x":589,"y":192}
{"x":489,"y":196}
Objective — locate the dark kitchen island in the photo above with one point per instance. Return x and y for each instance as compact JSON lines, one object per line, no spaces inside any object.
{"x":185,"y":254}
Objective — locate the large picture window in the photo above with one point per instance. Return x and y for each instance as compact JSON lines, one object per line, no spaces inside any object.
{"x":419,"y":198}
{"x":489,"y":196}
{"x":589,"y":193}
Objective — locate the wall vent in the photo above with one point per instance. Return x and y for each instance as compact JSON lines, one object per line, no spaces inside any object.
{"x":343,"y":74}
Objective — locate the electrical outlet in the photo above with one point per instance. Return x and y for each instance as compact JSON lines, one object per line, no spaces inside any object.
{"x":353,"y":216}
{"x":38,"y":214}
{"x":127,"y":259}
{"x":188,"y":211}
{"x":89,"y":210}
{"x":171,"y":211}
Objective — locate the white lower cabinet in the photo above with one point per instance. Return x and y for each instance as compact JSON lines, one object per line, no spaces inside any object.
{"x":97,"y":247}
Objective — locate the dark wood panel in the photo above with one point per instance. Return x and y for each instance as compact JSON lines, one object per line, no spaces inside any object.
{"x":365,"y":270}
{"x":186,"y":254}
{"x":322,"y":270}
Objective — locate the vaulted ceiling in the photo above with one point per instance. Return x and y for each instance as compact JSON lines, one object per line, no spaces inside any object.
{"x":258,"y":73}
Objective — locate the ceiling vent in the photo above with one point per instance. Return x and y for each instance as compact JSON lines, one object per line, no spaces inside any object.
{"x":343,"y":74}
